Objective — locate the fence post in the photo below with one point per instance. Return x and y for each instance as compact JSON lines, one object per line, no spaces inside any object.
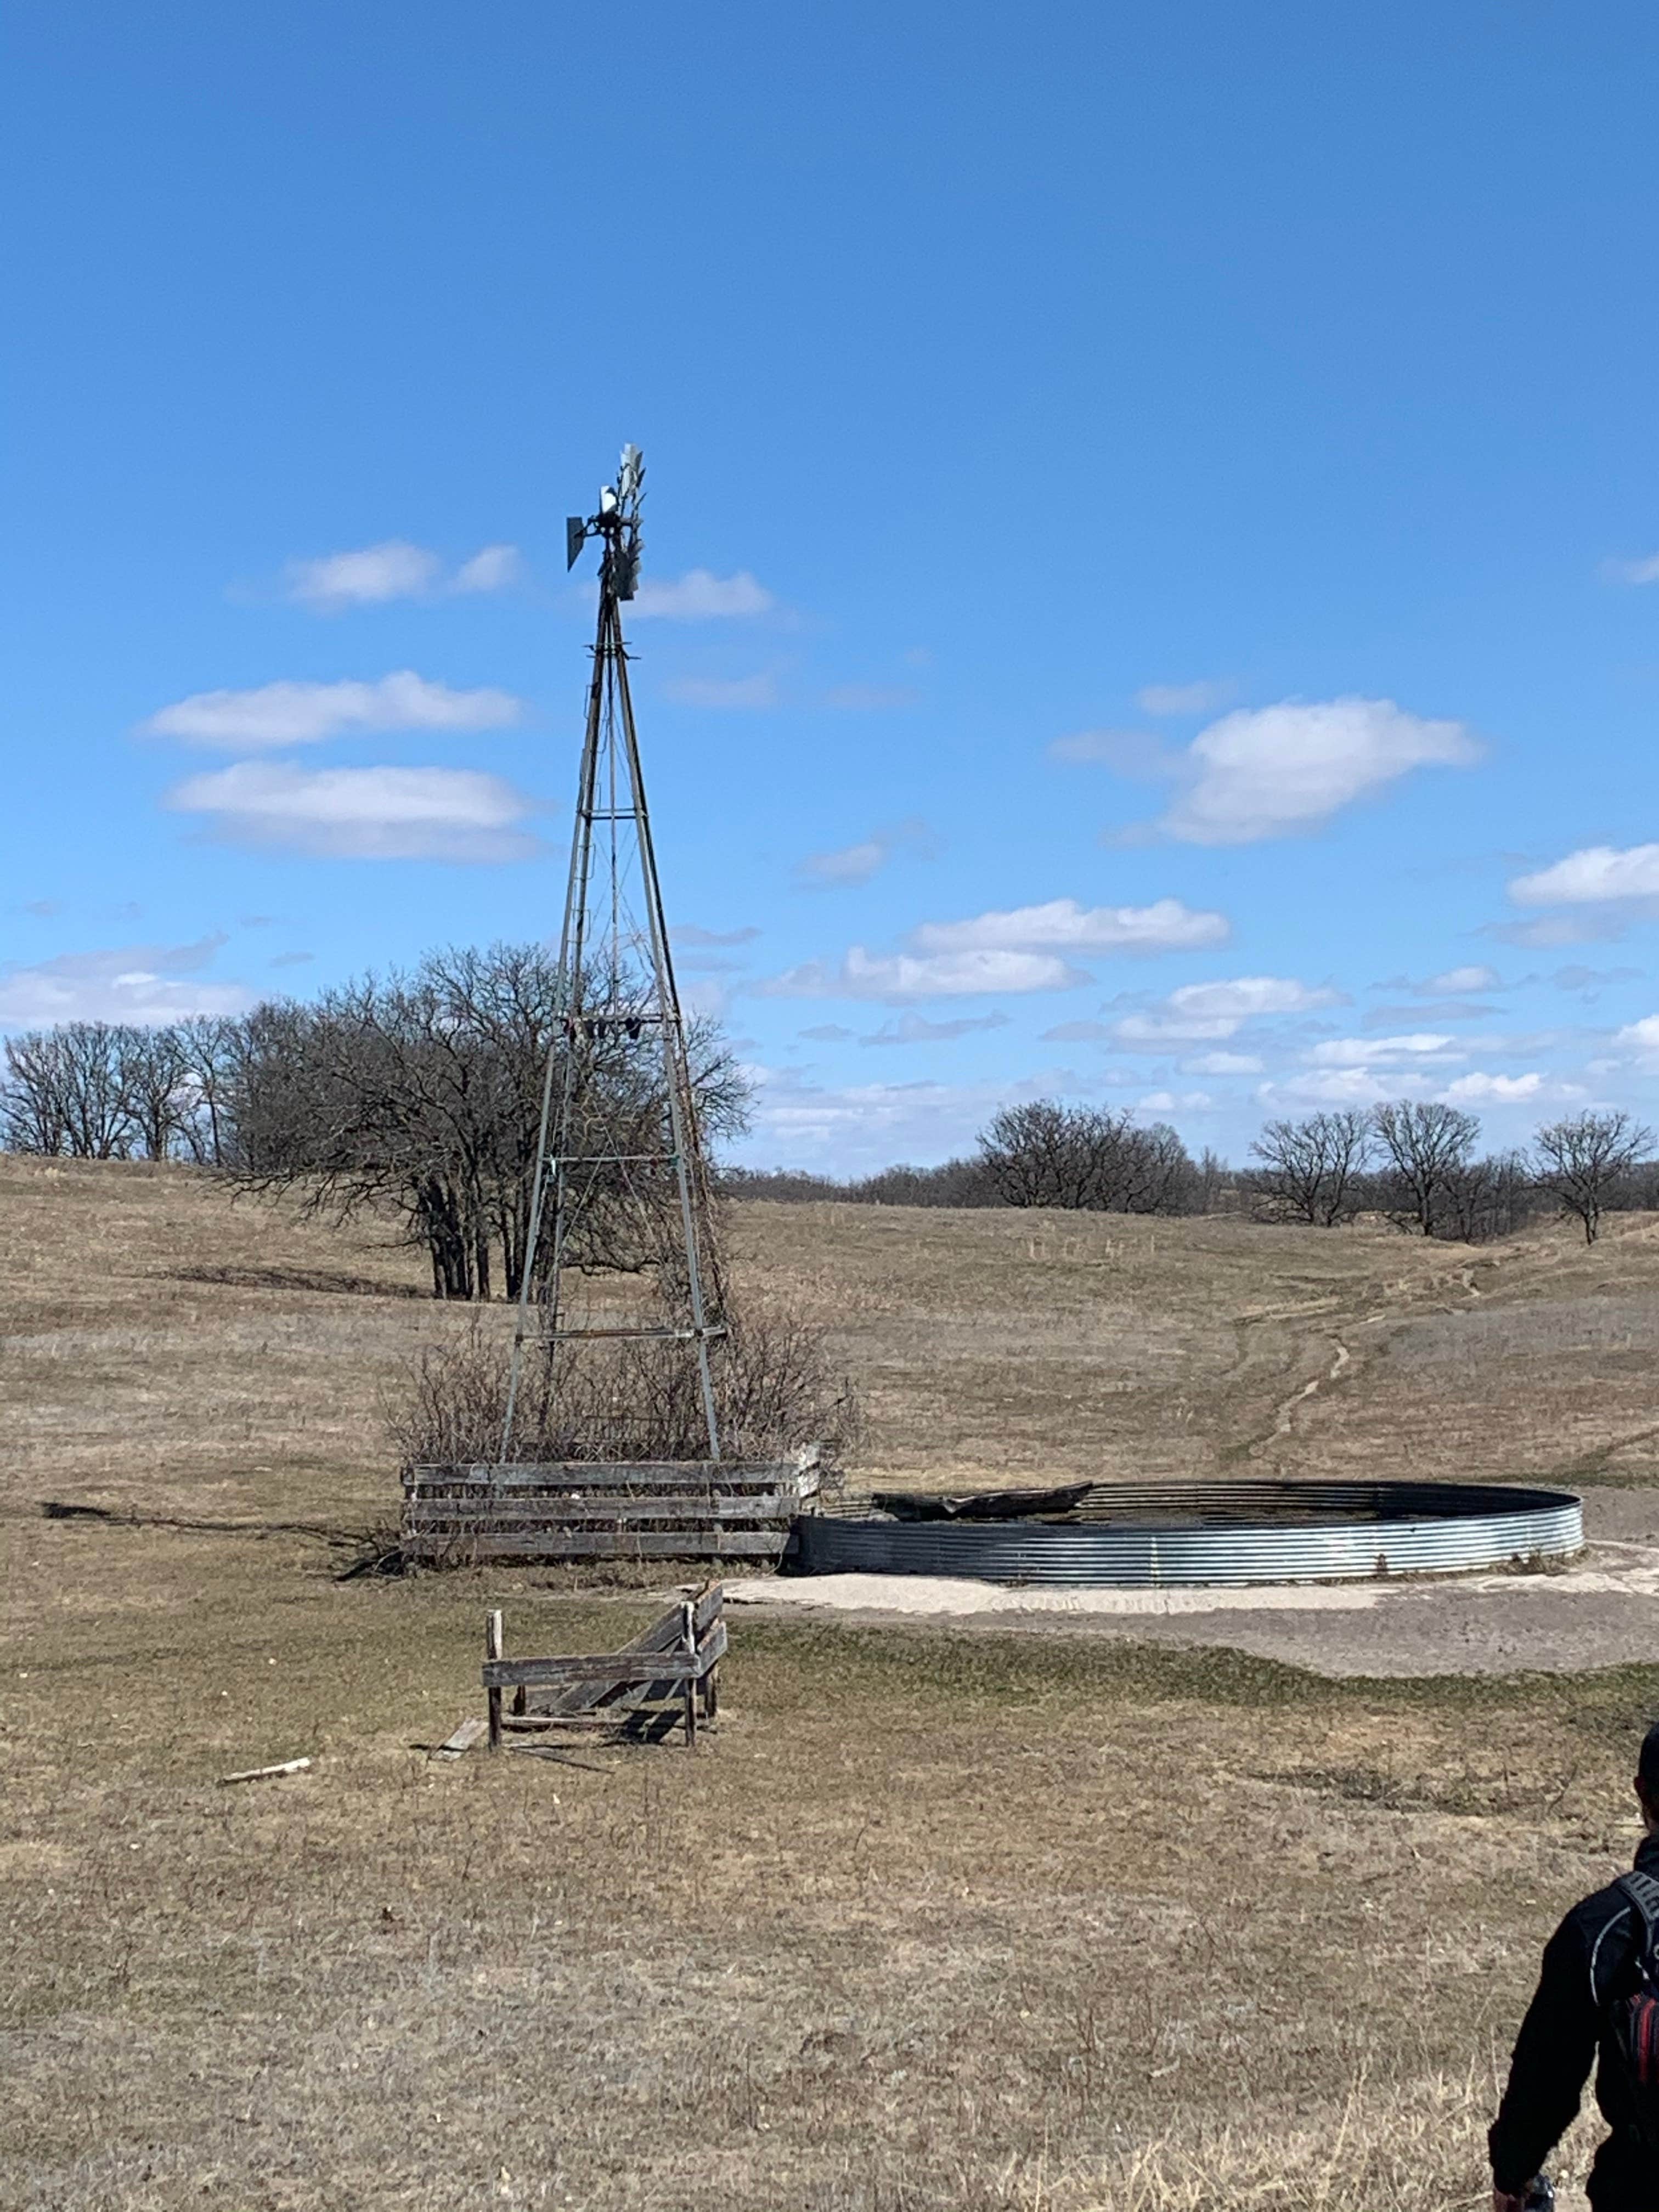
{"x":689,"y":1639}
{"x":492,"y":1650}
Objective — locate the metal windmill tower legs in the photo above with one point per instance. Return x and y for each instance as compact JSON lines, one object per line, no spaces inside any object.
{"x":616,"y":979}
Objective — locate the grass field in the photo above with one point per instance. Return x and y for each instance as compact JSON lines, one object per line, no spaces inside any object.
{"x":936,"y":1920}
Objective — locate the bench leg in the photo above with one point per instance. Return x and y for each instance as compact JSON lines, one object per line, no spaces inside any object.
{"x":492,"y":1650}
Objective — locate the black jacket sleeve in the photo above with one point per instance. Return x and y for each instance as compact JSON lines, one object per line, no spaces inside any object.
{"x":1554,"y":2054}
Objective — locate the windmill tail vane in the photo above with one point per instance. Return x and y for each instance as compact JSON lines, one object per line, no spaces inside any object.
{"x":619,"y":1250}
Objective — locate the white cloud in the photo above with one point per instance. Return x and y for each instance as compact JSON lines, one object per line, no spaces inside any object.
{"x":1166,"y":926}
{"x":1644,"y":1036}
{"x":394,"y":570}
{"x":1495,"y":1090}
{"x":292,"y":713}
{"x":1018,"y":949}
{"x":1344,"y":1086}
{"x":1370,"y":1052}
{"x":1644,"y":571}
{"x":1185,"y":698}
{"x":373,"y":575}
{"x":701,"y":596}
{"x":363,"y":813}
{"x":1174,"y":1102}
{"x":724,"y":690}
{"x":895,"y":977}
{"x":1364,"y":1086}
{"x":141,"y":983}
{"x":1268,"y":771}
{"x":491,"y":569}
{"x":1596,"y":873}
{"x":854,"y":864}
{"x":1200,"y":1012}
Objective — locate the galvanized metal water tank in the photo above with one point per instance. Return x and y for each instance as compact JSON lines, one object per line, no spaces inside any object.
{"x":1150,"y":1536}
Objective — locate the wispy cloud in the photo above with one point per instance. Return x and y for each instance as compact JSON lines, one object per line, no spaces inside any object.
{"x":724,"y":691}
{"x":1385,"y":1051}
{"x":300,"y":714}
{"x":1643,"y":570}
{"x":688,"y":932}
{"x":1019,"y":949}
{"x":1364,"y":1086}
{"x":1270,"y":771}
{"x":374,"y":575}
{"x":491,"y":569}
{"x":894,"y":977}
{"x":363,"y":813}
{"x":916,"y":1029}
{"x":1126,"y":752}
{"x":850,"y":865}
{"x":871,"y":698}
{"x":1201,"y":698}
{"x":702,"y":596}
{"x":861,"y":1125}
{"x":1166,"y":926}
{"x":1201,"y":1014}
{"x":1222,"y":1063}
{"x":141,"y":983}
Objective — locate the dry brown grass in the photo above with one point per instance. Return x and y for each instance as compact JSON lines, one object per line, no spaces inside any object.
{"x":967,"y":1921}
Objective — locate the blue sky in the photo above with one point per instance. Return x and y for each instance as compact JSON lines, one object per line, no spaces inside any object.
{"x":1152,"y":538}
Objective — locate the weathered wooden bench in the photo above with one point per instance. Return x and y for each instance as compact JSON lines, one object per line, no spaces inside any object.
{"x":663,"y":1676}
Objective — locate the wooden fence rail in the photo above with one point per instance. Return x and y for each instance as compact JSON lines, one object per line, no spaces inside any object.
{"x":573,"y":1510}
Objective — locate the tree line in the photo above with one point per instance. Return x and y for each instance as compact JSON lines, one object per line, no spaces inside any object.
{"x":417,"y":1097}
{"x":414,"y":1097}
{"x":1408,"y":1162}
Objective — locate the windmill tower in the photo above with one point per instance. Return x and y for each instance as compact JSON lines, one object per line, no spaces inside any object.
{"x":619,"y":1248}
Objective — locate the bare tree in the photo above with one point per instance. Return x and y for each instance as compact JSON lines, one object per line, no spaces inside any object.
{"x":1310,"y":1167}
{"x":419,"y":1096}
{"x":1491,"y":1197}
{"x":1579,"y":1160}
{"x":151,"y":1071}
{"x":1427,"y":1144}
{"x":31,"y":1115}
{"x":67,"y":1092}
{"x":210,"y":1047}
{"x":1085,"y":1158}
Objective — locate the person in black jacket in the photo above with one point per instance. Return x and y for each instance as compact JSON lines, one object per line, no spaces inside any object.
{"x":1590,"y":1963}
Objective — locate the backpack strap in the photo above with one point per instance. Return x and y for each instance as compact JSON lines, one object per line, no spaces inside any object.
{"x":1642,"y":1890}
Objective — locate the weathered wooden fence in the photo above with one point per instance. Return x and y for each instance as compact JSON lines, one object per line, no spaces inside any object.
{"x":578,"y":1510}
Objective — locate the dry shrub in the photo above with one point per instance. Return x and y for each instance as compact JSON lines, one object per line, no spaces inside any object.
{"x":775,"y":1390}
